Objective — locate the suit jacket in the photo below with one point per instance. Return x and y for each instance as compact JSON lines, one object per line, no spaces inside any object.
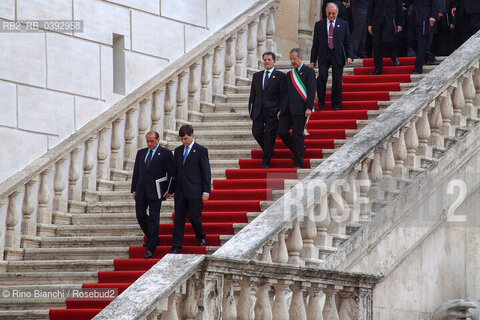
{"x":341,"y":42}
{"x":423,"y":11}
{"x":194,"y":177}
{"x":143,"y":180}
{"x":271,"y":98}
{"x":390,"y":9}
{"x":471,"y":6}
{"x":295,"y":104}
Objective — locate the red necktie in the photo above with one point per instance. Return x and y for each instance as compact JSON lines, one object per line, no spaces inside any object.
{"x":330,"y":36}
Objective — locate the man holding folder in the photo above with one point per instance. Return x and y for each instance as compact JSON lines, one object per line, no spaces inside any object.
{"x":152,"y":178}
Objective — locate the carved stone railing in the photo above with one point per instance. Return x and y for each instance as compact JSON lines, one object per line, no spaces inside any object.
{"x":336,"y":198}
{"x":61,"y":181}
{"x":199,"y":287}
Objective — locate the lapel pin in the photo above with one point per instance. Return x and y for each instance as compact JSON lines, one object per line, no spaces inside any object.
{"x":273,"y":77}
{"x":159,"y":153}
{"x":194,"y":150}
{"x":338,"y":26}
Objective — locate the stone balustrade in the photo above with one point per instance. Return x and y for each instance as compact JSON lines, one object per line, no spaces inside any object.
{"x":70,"y":174}
{"x":231,"y":289}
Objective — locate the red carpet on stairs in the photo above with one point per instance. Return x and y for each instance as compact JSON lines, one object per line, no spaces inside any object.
{"x":243,"y":189}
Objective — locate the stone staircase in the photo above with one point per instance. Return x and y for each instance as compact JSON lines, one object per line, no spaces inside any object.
{"x":95,"y":232}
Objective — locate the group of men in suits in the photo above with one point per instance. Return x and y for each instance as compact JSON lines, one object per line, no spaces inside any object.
{"x":280,"y":102}
{"x":158,"y":174}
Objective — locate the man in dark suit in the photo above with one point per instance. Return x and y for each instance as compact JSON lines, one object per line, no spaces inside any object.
{"x":267,"y":92}
{"x":467,"y":22}
{"x":425,"y":15}
{"x":331,"y":47}
{"x":192,"y":186}
{"x":300,"y":97}
{"x":152,"y":163}
{"x":384,"y":20}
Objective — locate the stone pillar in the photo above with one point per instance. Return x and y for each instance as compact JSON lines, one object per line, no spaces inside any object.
{"x":314,"y":307}
{"x":191,"y":307}
{"x":116,"y":157}
{"x":252,"y":61}
{"x":280,"y":252}
{"x":447,"y":113}
{"x":330,"y":311}
{"x":74,"y":192}
{"x":305,"y":29}
{"x":103,"y":170}
{"x":400,"y":154}
{"x":229,"y":76}
{"x":263,"y":309}
{"x":270,"y":31}
{"x":240,"y":49}
{"x":29,"y":227}
{"x":458,"y":100}
{"x":468,"y":88}
{"x":182,"y":95}
{"x":309,"y":233}
{"x":229,"y":307}
{"x":143,"y":124}
{"x":411,"y":143}
{"x":279,"y":308}
{"x":297,"y":306}
{"x":12,"y":239}
{"x":59,"y":184}
{"x":245,"y":307}
{"x":194,"y":93}
{"x":158,"y":110}
{"x":295,"y":244}
{"x":44,"y":215}
{"x":261,"y":37}
{"x":217,"y":70}
{"x":170,"y":132}
{"x":89,"y":182}
{"x":435,"y":120}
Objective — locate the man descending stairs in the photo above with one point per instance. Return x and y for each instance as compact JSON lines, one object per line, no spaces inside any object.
{"x":101,"y":247}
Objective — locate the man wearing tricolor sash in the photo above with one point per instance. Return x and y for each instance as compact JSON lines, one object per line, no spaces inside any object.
{"x":299,"y":105}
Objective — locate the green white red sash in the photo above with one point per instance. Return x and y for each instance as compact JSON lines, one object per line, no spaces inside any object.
{"x":298,"y":84}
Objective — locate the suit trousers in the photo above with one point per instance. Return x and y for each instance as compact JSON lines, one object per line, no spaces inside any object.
{"x":337,"y":72}
{"x":294,"y":141}
{"x":193,"y":209}
{"x":424,"y":40}
{"x":359,"y":34}
{"x":382,"y":48}
{"x":264,"y":130}
{"x":150,"y":224}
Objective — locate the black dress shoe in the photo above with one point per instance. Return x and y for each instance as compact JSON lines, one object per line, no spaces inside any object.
{"x":201,"y":242}
{"x":144,"y":244}
{"x":337,"y":108}
{"x":396,"y":63}
{"x":431,"y":61}
{"x":416,"y":72}
{"x":297,"y":167}
{"x":265,"y":166}
{"x":148,"y":254}
{"x":375,"y":73}
{"x":176,"y":250}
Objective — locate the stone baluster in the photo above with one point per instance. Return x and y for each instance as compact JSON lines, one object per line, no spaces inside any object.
{"x":297,"y":306}
{"x":116,"y":158}
{"x":364,"y":304}
{"x":103,"y":170}
{"x":245,"y":307}
{"x":337,"y":211}
{"x":266,"y":252}
{"x":351,"y":196}
{"x":330,"y":311}
{"x":240,"y":49}
{"x":322,"y":220}
{"x":270,"y":32}
{"x":170,"y":109}
{"x":229,"y":307}
{"x":182,"y":95}
{"x":206,"y":79}
{"x":172,"y":313}
{"x":217,"y":69}
{"x":448,"y":129}
{"x":229,"y":76}
{"x":12,"y":239}
{"x":435,"y":120}
{"x":424,"y":132}
{"x":194,"y":92}
{"x":376,"y":176}
{"x":295,"y":244}
{"x":280,"y":252}
{"x":252,"y":61}
{"x":143,"y":124}
{"x":191,"y":306}
{"x":400,"y":154}
{"x":309,"y":233}
{"x":279,"y":308}
{"x":261,"y":37}
{"x":74,"y":192}
{"x":89,"y":177}
{"x":130,"y":135}
{"x":158,"y":110}
{"x":44,"y":215}
{"x":59,"y":184}
{"x":304,"y":26}
{"x":346,"y":310}
{"x":476,"y":82}
{"x":411,"y":142}
{"x":388,"y":164}
{"x":469,"y":93}
{"x":363,"y":180}
{"x":263,"y":308}
{"x":29,"y":227}
{"x":3,"y":203}
{"x":458,"y":101}
{"x":314,"y":307}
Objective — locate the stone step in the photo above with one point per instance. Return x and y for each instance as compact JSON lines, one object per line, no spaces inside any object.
{"x":24,"y":314}
{"x":223,"y":126}
{"x":38,"y":278}
{"x":16,"y":304}
{"x":76,"y":253}
{"x":231,"y":154}
{"x":224,"y":116}
{"x":224,"y":164}
{"x":98,"y":230}
{"x":114,"y":218}
{"x":53,"y":265}
{"x":90,"y":242}
{"x":121,"y":206}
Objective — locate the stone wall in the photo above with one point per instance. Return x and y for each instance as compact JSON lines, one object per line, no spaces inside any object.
{"x":52,"y":84}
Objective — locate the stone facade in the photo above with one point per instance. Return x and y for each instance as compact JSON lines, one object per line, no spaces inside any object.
{"x":52,"y":84}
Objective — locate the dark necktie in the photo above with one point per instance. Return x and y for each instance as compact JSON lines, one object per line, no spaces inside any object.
{"x":149,"y":159}
{"x":330,"y":36}
{"x":265,"y":81}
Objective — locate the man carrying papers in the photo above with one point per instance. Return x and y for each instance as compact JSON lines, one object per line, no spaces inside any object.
{"x":152,"y":178}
